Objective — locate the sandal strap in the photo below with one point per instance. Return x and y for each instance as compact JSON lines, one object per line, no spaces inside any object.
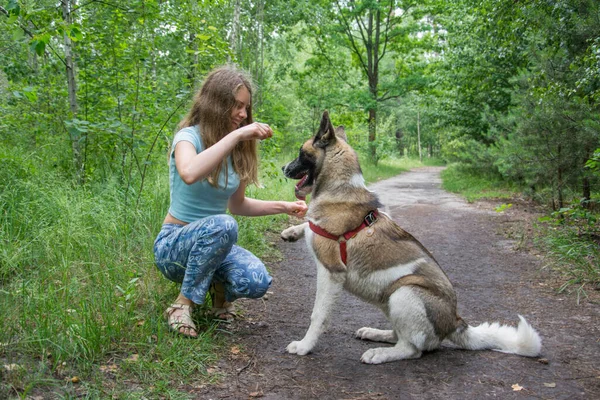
{"x":178,"y":306}
{"x":230,"y":309}
{"x":184,"y":320}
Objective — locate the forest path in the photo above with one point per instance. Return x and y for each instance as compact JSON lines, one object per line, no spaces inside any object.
{"x":493,"y":281}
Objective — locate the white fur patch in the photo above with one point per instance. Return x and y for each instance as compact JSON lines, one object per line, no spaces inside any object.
{"x":358,"y":181}
{"x":522,"y":340}
{"x":370,"y":286}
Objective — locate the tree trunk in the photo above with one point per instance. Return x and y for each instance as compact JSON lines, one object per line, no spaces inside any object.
{"x":193,"y":47}
{"x":373,"y":132}
{"x":560,"y":179}
{"x":235,"y":28}
{"x":419,"y":134}
{"x":587,"y":192}
{"x":260,"y":67}
{"x":75,"y":136}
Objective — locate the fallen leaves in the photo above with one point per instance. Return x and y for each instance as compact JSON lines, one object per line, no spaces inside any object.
{"x":12,"y":367}
{"x":516,"y":387}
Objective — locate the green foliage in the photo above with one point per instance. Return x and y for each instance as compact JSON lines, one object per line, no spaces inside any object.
{"x":571,"y":238}
{"x":503,"y":207}
{"x":594,"y":162}
{"x":476,"y":184}
{"x":509,"y":90}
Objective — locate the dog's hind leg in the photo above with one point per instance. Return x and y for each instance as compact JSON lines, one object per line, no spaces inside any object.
{"x":401,"y":351}
{"x":327,"y":292}
{"x":377,"y":335}
{"x":412,"y":328}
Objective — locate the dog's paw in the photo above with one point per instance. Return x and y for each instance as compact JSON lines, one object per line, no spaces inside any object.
{"x":374,"y":356}
{"x":376,"y":335}
{"x":298,"y":347}
{"x":387,"y":354}
{"x":293,"y":233}
{"x":364,"y":333}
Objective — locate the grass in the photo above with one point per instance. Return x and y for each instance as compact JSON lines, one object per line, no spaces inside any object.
{"x":473,"y":187}
{"x":576,"y":259}
{"x":391,"y":166}
{"x":81,"y":301}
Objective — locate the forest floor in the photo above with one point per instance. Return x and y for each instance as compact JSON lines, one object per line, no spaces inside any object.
{"x":496,"y":274}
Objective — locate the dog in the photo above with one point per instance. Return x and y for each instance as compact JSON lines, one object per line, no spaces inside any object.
{"x":361,"y":249}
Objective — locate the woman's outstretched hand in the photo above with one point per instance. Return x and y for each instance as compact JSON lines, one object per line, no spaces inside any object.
{"x":297,"y":208}
{"x":256,"y":130}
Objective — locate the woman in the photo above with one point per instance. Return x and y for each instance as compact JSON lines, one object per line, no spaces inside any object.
{"x":213,"y":158}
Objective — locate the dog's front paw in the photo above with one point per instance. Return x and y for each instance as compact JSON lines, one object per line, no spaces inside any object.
{"x":293,"y":233}
{"x":298,"y":347}
{"x":374,"y":356}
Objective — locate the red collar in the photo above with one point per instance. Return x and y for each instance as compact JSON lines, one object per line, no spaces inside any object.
{"x":367,"y":221}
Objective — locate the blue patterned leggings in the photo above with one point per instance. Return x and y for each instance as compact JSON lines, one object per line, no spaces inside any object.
{"x":205,"y":250}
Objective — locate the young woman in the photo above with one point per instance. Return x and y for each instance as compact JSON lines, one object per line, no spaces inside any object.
{"x":213,"y":158}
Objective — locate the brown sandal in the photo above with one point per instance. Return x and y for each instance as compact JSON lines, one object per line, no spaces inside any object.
{"x":225,"y":313}
{"x":226,"y":310}
{"x":183,"y":320}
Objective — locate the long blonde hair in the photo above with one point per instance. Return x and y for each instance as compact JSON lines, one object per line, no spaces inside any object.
{"x":211,"y":110}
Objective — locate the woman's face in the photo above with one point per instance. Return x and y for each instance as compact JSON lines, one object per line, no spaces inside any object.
{"x":240,"y":109}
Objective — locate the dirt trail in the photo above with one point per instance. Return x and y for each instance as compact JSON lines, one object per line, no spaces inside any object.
{"x":494,"y":282}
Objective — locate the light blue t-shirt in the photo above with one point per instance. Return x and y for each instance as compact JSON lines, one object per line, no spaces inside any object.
{"x":198,"y":200}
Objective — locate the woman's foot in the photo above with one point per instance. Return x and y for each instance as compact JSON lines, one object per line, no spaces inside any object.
{"x":179,"y":317}
{"x":221,"y":309}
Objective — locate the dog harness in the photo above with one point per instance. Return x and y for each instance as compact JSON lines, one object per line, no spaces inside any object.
{"x":342,"y":239}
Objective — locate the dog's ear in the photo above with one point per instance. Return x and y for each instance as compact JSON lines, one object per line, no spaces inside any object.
{"x":326,"y":134}
{"x":340,"y":133}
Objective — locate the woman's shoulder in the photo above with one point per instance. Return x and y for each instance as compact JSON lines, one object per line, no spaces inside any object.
{"x":188,"y":134}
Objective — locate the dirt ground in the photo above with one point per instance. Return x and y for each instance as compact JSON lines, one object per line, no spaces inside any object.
{"x":495,"y":277}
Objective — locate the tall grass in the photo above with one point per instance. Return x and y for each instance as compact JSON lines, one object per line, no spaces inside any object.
{"x":576,"y":258}
{"x":81,"y":302}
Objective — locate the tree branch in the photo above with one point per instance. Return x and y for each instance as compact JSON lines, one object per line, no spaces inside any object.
{"x":351,"y":37}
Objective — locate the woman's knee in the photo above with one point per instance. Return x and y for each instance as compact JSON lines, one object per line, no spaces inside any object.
{"x":260,"y":282}
{"x":228,"y":227}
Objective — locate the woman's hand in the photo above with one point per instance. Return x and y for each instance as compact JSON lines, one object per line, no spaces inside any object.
{"x":297,"y":208}
{"x":256,"y":130}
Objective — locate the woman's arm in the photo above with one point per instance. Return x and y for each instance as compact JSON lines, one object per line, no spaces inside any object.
{"x":193,"y":167}
{"x":239,"y":204}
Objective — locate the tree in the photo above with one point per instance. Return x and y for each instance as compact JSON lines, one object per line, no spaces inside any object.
{"x":379,"y":35}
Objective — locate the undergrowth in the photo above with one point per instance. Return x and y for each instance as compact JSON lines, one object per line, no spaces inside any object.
{"x":569,"y":238}
{"x":81,"y":301}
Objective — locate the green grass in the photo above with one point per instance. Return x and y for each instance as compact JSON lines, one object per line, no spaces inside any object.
{"x":391,"y":167}
{"x":80,"y":297}
{"x":473,"y":187}
{"x":575,"y":258}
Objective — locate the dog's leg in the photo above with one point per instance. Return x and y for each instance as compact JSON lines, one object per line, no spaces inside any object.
{"x":413,"y":329}
{"x":327,"y":291}
{"x":401,"y":351}
{"x":377,"y":335}
{"x":294,"y":233}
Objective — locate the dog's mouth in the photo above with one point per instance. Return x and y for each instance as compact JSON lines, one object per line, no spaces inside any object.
{"x":303,"y":188}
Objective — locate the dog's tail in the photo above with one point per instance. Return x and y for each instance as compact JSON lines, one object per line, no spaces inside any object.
{"x":522,"y":340}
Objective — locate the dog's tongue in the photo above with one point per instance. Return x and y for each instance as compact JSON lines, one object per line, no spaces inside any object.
{"x":299,"y":184}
